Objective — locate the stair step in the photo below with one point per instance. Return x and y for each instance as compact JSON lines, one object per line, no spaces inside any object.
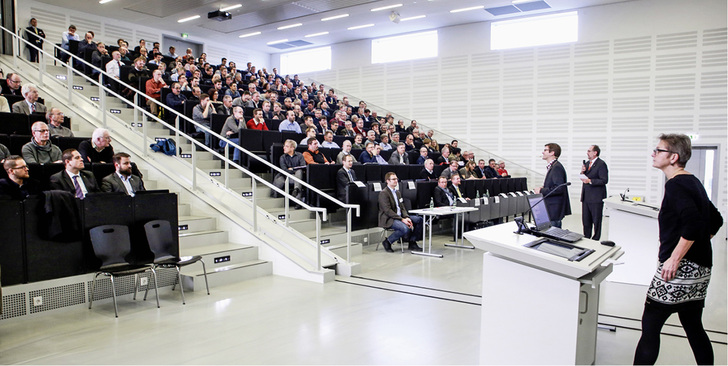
{"x":301,"y":225}
{"x":198,"y":223}
{"x":183,"y":209}
{"x":340,"y":249}
{"x":238,"y":253}
{"x":193,"y":277}
{"x":293,"y":214}
{"x":201,"y":238}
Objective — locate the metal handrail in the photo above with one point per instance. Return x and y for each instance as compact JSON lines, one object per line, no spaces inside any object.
{"x":255,"y":178}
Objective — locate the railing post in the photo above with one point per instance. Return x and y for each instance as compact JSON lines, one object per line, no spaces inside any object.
{"x":318,"y":241}
{"x":255,"y":206}
{"x":102,"y":103}
{"x":348,"y":234}
{"x":194,"y":165}
{"x":41,"y":67}
{"x":227,"y":167}
{"x":16,"y":51}
{"x":176,"y":130}
{"x":69,"y":80}
{"x":134,"y":108}
{"x":144,"y":136}
{"x":286,"y":201}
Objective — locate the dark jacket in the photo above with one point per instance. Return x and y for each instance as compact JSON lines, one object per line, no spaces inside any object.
{"x":440,"y":197}
{"x":342,"y":180}
{"x":16,"y":192}
{"x":557,"y":204}
{"x":388,"y":208}
{"x":61,"y":181}
{"x":112,"y":183}
{"x":596,"y":191}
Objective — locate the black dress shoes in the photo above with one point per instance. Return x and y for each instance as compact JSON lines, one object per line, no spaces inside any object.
{"x":413,"y":246}
{"x":387,"y":246}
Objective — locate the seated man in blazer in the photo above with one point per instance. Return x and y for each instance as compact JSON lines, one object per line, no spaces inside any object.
{"x":73,"y":179}
{"x":122,"y":180}
{"x":344,"y":176}
{"x":30,"y":104}
{"x":399,"y":157}
{"x":393,"y":214}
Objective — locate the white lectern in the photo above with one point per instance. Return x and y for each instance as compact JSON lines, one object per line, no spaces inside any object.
{"x":540,"y":298}
{"x":633,"y":225}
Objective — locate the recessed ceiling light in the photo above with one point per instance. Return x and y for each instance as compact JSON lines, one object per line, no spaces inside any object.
{"x":387,"y":7}
{"x":232,"y":7}
{"x":277,"y":42}
{"x":412,"y":18}
{"x":188,"y":19}
{"x":334,"y":17}
{"x":316,"y":34}
{"x":104,"y":1}
{"x":467,"y":9}
{"x":248,"y":34}
{"x":361,"y":26}
{"x":290,"y":26}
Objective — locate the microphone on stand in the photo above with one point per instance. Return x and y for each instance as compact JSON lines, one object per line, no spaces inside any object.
{"x":522,"y":227}
{"x":624,"y":195}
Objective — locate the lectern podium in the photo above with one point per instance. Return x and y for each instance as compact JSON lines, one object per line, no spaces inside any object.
{"x":540,"y":298}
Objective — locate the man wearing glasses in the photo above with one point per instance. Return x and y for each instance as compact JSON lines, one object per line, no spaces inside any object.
{"x":12,"y":84}
{"x":594,"y":176}
{"x":40,"y":150}
{"x":393,"y":215}
{"x":17,"y":185}
{"x":98,"y":149}
{"x":55,"y":119}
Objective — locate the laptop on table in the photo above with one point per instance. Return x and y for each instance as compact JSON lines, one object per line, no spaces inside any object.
{"x":543,"y":222}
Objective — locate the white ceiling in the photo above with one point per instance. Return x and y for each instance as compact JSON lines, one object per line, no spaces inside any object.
{"x":266,"y":16}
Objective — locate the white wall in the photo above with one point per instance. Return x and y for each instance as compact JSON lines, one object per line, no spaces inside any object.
{"x":640,"y":68}
{"x":55,"y":20}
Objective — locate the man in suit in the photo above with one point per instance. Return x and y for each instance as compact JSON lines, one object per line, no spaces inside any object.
{"x":593,"y":192}
{"x":122,"y":180}
{"x":30,"y":104}
{"x":491,"y":171}
{"x":442,"y":196}
{"x":226,"y":108}
{"x":344,"y":176}
{"x":428,"y":173}
{"x":480,"y":169}
{"x":35,"y":36}
{"x":399,"y":157}
{"x":73,"y":179}
{"x":393,"y":214}
{"x":557,"y":202}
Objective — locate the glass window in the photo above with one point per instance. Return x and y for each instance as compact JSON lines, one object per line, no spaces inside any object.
{"x":407,"y":47}
{"x":316,"y":59}
{"x":534,"y":31}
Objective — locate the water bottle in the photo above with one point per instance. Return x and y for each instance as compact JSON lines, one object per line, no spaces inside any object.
{"x":477,"y":195}
{"x":432,"y":203}
{"x":487,"y":193}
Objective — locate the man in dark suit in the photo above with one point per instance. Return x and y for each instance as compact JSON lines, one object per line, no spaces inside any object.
{"x":73,"y":179}
{"x":442,"y":196}
{"x":480,"y":169}
{"x":35,"y":36}
{"x":344,"y":176}
{"x":12,"y":84}
{"x":122,"y":180}
{"x":393,"y":214}
{"x":593,"y":192}
{"x":557,"y":202}
{"x":399,"y":157}
{"x":428,"y":173}
{"x":491,"y":171}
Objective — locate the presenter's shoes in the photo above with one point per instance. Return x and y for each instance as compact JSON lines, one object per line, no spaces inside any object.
{"x":413,"y":246}
{"x":387,"y":246}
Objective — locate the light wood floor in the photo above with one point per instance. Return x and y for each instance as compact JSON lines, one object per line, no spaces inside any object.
{"x":402,"y":309}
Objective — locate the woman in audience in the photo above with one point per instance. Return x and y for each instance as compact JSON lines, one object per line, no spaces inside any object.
{"x":214,"y":95}
{"x":468,"y":171}
{"x":434,"y":145}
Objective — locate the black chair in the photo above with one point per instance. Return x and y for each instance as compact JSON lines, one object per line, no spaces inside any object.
{"x":161,"y":242}
{"x":111,"y":244}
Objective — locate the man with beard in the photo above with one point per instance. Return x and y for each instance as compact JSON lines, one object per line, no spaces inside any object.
{"x":122,"y":180}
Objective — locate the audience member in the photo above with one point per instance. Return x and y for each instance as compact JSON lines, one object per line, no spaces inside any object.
{"x":428,"y":173}
{"x":344,"y":176}
{"x":399,"y":157}
{"x":329,"y":140}
{"x":69,"y":35}
{"x":293,"y":163}
{"x":480,"y":169}
{"x":424,"y":155}
{"x":491,"y":170}
{"x":4,"y":106}
{"x":97,"y":57}
{"x":358,"y":142}
{"x":226,"y":108}
{"x":289,"y":124}
{"x":55,"y":119}
{"x":154,"y":90}
{"x":384,"y":143}
{"x":175,"y":99}
{"x":98,"y":149}
{"x":202,"y":115}
{"x":468,"y":171}
{"x":393,"y":215}
{"x":4,"y":152}
{"x":367,"y":156}
{"x":313,"y":155}
{"x":18,"y":185}
{"x":257,"y":122}
{"x":345,"y":151}
{"x":40,"y":149}
{"x":30,"y":104}
{"x":504,"y":173}
{"x":122,"y":180}
{"x":452,"y":170}
{"x":73,"y":179}
{"x":377,"y":155}
{"x":442,"y":196}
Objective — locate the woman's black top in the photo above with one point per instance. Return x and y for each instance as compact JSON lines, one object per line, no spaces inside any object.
{"x":687,"y":212}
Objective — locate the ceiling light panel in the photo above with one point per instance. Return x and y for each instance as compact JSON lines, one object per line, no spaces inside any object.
{"x":334,"y":17}
{"x":188,"y":19}
{"x":387,"y":7}
{"x":232,"y":7}
{"x":290,"y":26}
{"x":361,"y":26}
{"x":412,"y":18}
{"x":249,"y":35}
{"x":467,"y":9}
{"x":316,"y":34}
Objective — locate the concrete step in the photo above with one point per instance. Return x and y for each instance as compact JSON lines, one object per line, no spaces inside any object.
{"x":302,"y":225}
{"x":293,"y":214}
{"x":193,"y":277}
{"x":237,"y":253}
{"x":268,"y":203}
{"x":340,"y":249}
{"x":201,"y":238}
{"x":197,"y":223}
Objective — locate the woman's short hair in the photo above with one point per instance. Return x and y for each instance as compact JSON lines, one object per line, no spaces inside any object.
{"x":678,"y":144}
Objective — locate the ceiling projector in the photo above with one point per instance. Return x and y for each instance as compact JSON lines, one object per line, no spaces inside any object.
{"x":219,"y":15}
